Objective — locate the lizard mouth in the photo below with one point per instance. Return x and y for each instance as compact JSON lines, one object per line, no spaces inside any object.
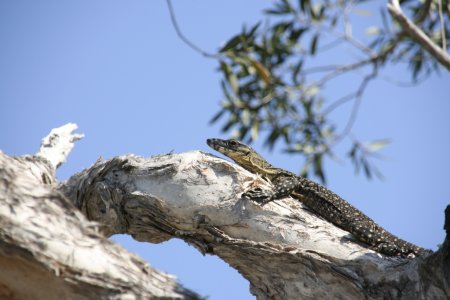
{"x":216,"y":144}
{"x":210,"y":142}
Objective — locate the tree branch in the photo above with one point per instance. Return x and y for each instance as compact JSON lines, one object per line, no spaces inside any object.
{"x":441,"y":20}
{"x":414,"y":32}
{"x":49,"y":250}
{"x":284,"y":250}
{"x":56,"y":146}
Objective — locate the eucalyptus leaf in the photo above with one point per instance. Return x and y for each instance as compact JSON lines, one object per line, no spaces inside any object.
{"x":377,"y":145}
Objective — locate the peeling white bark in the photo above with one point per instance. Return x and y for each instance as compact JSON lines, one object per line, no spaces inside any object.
{"x":285,"y":251}
{"x":56,"y":146}
{"x":49,"y":250}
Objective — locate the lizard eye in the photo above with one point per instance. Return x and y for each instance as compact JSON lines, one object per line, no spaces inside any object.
{"x":233,"y":143}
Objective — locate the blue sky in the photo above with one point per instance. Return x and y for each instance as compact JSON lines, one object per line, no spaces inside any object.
{"x":117,"y":69}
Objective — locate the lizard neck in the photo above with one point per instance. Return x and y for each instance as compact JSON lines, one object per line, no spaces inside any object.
{"x":255,"y":163}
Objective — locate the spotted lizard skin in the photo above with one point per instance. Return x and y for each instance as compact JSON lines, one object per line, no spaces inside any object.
{"x":319,"y":199}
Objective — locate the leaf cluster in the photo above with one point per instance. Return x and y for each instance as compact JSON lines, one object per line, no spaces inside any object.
{"x":271,"y":83}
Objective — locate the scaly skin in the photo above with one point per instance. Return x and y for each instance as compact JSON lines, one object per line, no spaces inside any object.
{"x":319,"y":199}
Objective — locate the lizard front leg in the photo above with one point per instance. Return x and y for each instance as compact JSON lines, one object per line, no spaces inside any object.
{"x":283,"y":188}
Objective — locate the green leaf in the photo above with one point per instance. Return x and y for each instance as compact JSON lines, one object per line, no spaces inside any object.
{"x":231,"y":122}
{"x":230,"y":77}
{"x":232,"y":43}
{"x":377,"y":145}
{"x":281,"y":8}
{"x":242,"y":133}
{"x":314,"y":42}
{"x":296,"y":34}
{"x":417,"y":63}
{"x":281,"y":27}
{"x":366,"y":168}
{"x":318,"y":167}
{"x":334,"y":20}
{"x":352,"y":152}
{"x":295,"y":71}
{"x":253,"y":29}
{"x":305,"y":170}
{"x":255,"y":131}
{"x":245,"y":117}
{"x":216,"y":116}
{"x":317,"y":11}
{"x":262,"y":71}
{"x":225,"y":68}
{"x":312,"y":91}
{"x":373,"y":30}
{"x":304,"y":5}
{"x":224,"y":87}
{"x":276,"y":12}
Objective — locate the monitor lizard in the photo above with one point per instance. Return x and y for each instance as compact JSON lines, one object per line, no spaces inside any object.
{"x":316,"y":197}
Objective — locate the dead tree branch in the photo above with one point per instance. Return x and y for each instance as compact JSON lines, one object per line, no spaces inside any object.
{"x":284,"y":250}
{"x":49,"y":250}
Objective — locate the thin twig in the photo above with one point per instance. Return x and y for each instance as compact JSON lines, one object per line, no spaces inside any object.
{"x":183,"y":38}
{"x":344,"y":36}
{"x":441,"y":20}
{"x":403,"y":83}
{"x":347,"y":25}
{"x":343,"y":69}
{"x":358,"y":98}
{"x":348,"y":34}
{"x":357,"y":95}
{"x":336,"y":70}
{"x":320,"y":69}
{"x":339,"y":70}
{"x":330,"y":45}
{"x":339,"y":102}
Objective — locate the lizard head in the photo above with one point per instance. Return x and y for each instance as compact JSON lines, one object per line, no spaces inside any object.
{"x":231,"y":148}
{"x":242,"y":154}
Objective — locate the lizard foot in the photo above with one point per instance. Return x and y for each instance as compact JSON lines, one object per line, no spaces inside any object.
{"x":259,"y":195}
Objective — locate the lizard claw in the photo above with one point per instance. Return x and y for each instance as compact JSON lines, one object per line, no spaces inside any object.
{"x":259,"y":195}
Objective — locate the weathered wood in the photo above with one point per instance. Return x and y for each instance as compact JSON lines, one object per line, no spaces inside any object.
{"x":49,"y":250}
{"x":285,"y":251}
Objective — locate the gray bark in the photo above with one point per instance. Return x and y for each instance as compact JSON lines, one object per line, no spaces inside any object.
{"x":284,"y":250}
{"x":49,"y":250}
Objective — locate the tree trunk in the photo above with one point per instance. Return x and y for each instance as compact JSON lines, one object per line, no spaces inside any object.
{"x":284,"y":250}
{"x":49,"y":250}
